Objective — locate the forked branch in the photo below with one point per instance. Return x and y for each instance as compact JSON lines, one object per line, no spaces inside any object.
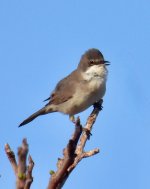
{"x":74,"y":151}
{"x":23,"y":172}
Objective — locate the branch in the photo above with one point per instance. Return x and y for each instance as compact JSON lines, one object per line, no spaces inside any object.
{"x":72,"y":155}
{"x":74,"y":152}
{"x":23,"y":172}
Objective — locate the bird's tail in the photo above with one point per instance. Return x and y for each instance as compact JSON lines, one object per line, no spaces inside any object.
{"x":33,"y":116}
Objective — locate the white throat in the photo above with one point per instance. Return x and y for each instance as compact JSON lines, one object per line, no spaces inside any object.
{"x":95,"y":72}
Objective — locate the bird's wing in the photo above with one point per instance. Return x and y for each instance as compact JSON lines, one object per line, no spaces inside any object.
{"x":65,"y":89}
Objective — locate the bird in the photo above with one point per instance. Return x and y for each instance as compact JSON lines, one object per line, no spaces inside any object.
{"x":82,"y":88}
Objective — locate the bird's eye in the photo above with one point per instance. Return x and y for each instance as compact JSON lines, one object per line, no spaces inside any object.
{"x":91,"y":62}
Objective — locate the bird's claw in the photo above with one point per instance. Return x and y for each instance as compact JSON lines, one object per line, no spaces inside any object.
{"x":98,"y":104}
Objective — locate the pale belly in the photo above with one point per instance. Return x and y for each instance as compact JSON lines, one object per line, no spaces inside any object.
{"x":84,"y":98}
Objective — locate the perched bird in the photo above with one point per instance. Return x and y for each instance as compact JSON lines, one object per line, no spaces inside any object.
{"x":78,"y":91}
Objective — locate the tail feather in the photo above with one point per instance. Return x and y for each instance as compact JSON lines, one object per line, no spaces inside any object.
{"x":47,"y":99}
{"x":33,"y":116}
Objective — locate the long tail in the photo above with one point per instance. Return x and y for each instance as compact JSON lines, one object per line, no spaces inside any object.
{"x":33,"y":116}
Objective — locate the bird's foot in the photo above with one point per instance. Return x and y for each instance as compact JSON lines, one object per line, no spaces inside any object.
{"x":98,"y":104}
{"x":72,"y":119}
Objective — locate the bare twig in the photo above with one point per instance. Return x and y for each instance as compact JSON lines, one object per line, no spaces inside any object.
{"x":23,"y":173}
{"x":57,"y":179}
{"x":74,"y":152}
{"x":11,"y":156}
{"x":29,"y":178}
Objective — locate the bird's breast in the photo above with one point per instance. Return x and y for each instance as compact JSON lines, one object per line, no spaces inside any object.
{"x":90,"y":89}
{"x":95,"y":77}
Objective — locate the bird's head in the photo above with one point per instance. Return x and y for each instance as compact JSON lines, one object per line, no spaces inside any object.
{"x":90,"y":58}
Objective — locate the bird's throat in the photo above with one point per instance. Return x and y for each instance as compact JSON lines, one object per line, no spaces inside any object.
{"x":95,"y":71}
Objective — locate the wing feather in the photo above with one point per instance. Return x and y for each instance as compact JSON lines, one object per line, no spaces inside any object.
{"x":65,"y":89}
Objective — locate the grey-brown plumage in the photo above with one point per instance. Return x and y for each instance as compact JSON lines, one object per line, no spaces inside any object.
{"x":79,"y":90}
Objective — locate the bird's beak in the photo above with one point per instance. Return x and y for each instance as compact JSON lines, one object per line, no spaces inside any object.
{"x":107,"y":63}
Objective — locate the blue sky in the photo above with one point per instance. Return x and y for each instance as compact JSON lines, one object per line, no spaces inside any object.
{"x":40,"y":43}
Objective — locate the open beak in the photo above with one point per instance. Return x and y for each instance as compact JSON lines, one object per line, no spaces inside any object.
{"x":107,"y":63}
